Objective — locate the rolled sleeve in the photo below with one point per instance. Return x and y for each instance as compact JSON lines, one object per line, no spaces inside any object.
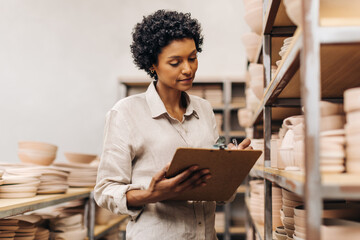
{"x":115,"y":169}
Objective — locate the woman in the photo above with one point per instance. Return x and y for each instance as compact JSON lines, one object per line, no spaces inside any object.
{"x":143,"y":132}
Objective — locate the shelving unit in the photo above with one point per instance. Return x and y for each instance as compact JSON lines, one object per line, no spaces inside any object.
{"x":321,"y":63}
{"x":11,"y":207}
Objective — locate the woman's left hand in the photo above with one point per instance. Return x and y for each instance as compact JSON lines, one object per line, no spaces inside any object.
{"x":244,"y":145}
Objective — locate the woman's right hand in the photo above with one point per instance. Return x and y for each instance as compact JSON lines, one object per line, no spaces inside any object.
{"x":162,"y":188}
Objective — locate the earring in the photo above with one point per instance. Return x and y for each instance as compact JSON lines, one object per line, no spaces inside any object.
{"x":152,"y":71}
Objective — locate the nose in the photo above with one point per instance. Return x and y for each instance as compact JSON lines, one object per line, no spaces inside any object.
{"x":186,"y":69}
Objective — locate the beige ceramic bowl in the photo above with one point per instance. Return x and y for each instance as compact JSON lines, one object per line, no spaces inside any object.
{"x":299,"y":221}
{"x":353,"y":152}
{"x":288,"y":211}
{"x":291,"y":196}
{"x":281,"y":230}
{"x":293,"y":10}
{"x":280,"y":236}
{"x":353,"y":118}
{"x":332,"y":122}
{"x":290,"y":203}
{"x":328,"y":108}
{"x":253,"y":18}
{"x":289,"y":231}
{"x":79,"y":157}
{"x":37,"y":152}
{"x":299,"y":234}
{"x":334,"y":229}
{"x":256,"y":70}
{"x":353,"y":166}
{"x":352,"y":99}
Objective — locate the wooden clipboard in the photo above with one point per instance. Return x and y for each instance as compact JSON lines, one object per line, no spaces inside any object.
{"x":228,"y":169}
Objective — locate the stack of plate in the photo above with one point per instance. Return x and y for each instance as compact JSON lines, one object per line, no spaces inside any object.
{"x":352,"y":128}
{"x":42,"y":234}
{"x":68,"y":227}
{"x":8,"y":228}
{"x":19,"y":187}
{"x":196,"y":91}
{"x":257,"y":200}
{"x":52,"y":179}
{"x":332,"y":137}
{"x":34,"y":221}
{"x":213,"y":94}
{"x":26,"y":230}
{"x":81,"y":175}
{"x":284,"y":49}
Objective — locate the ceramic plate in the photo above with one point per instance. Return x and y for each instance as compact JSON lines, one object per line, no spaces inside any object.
{"x":19,"y":179}
{"x":337,"y":132}
{"x":18,"y":195}
{"x":16,"y":189}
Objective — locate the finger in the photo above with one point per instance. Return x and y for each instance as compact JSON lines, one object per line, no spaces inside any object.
{"x":249,"y":148}
{"x":244,"y":144}
{"x":160,"y":175}
{"x":196,"y":178}
{"x":231,"y":146}
{"x":199,"y":183}
{"x":184,"y":175}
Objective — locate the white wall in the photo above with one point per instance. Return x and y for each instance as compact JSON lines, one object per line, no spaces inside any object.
{"x":60,"y":61}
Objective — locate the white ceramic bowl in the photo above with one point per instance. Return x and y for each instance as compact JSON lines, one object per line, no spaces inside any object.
{"x":79,"y":157}
{"x":251,"y":39}
{"x":353,"y":118}
{"x":332,"y":122}
{"x":293,"y":10}
{"x":251,"y":53}
{"x":256,"y":71}
{"x":352,"y":99}
{"x":254,"y":19}
{"x":329,"y":108}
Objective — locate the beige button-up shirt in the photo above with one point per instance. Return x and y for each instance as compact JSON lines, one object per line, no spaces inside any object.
{"x":140,"y":139}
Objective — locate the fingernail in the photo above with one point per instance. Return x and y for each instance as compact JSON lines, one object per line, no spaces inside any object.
{"x":194,"y":168}
{"x":208,"y":176}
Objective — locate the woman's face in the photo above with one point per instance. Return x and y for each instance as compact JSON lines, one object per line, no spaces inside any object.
{"x":177,"y":65}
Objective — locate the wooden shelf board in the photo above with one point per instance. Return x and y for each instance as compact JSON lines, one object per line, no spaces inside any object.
{"x":10,"y":207}
{"x":237,"y":105}
{"x":334,"y":186}
{"x":101,"y":230}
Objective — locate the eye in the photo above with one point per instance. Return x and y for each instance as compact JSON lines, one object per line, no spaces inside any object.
{"x":174,"y":64}
{"x":192,"y":59}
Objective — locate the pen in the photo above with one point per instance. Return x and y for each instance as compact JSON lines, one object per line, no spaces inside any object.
{"x":235,"y":142}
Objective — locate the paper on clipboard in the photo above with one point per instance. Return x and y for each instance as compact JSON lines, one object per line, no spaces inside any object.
{"x":228,"y":169}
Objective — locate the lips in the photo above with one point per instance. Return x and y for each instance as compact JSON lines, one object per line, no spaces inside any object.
{"x":186,"y":79}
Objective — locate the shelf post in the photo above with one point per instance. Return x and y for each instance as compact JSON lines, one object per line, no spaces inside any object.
{"x":91,"y":216}
{"x":310,"y":95}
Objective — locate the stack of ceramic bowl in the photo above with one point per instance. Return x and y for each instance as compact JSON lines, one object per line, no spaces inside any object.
{"x":252,"y":101}
{"x":8,"y":228}
{"x":300,"y":222}
{"x":37,"y":152}
{"x":293,"y":10}
{"x":257,"y":200}
{"x":19,"y":187}
{"x":256,"y":83}
{"x":40,"y":233}
{"x":284,"y":49}
{"x":258,"y":144}
{"x":72,"y":207}
{"x":52,"y":180}
{"x":276,"y":206}
{"x":332,"y":138}
{"x":214,"y":94}
{"x":251,"y":41}
{"x":81,"y":175}
{"x":352,"y":129}
{"x":290,"y":201}
{"x":196,"y":91}
{"x":68,"y":227}
{"x":245,"y":117}
{"x":254,"y":15}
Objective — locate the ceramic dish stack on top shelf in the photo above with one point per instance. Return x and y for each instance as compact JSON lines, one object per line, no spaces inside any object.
{"x":19,"y":186}
{"x":352,"y":129}
{"x":254,"y":15}
{"x":81,"y":175}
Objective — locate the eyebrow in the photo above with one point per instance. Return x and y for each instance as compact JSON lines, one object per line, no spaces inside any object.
{"x":174,"y":57}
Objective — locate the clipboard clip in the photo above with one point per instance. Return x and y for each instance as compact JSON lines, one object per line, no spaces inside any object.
{"x":220,"y":143}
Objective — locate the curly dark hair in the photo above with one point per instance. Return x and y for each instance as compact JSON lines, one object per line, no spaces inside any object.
{"x":157,"y":31}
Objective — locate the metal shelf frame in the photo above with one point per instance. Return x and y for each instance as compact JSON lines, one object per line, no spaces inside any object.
{"x":304,"y":55}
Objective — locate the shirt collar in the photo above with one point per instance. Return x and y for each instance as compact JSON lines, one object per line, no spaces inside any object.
{"x":157,"y":107}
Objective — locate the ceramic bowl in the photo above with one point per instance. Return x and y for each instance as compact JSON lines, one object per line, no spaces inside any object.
{"x":353,"y":152}
{"x":300,"y":221}
{"x":258,"y":88}
{"x":299,"y":234}
{"x":41,"y":146}
{"x":353,"y":118}
{"x":36,"y":157}
{"x":289,"y":220}
{"x":79,"y":157}
{"x":280,"y":236}
{"x":332,"y":122}
{"x":290,"y":196}
{"x":281,"y":230}
{"x":290,"y":203}
{"x":352,"y":99}
{"x":353,"y":166}
{"x":288,"y":211}
{"x":245,"y":117}
{"x":251,"y":52}
{"x":339,"y":229}
{"x":293,"y":10}
{"x":251,"y":39}
{"x":289,"y":231}
{"x":256,"y":71}
{"x":329,"y":108}
{"x":253,"y":18}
